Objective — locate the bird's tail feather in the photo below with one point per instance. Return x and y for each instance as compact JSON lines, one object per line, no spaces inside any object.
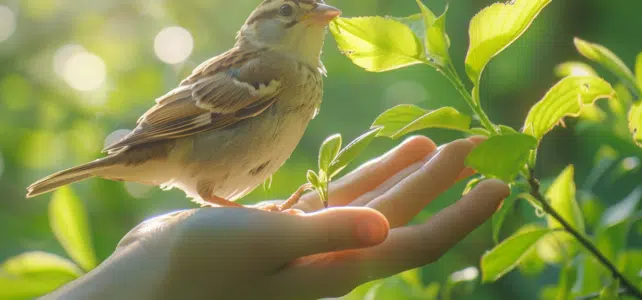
{"x":75,"y":174}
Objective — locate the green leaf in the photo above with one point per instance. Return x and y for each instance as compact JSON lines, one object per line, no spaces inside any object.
{"x":502,"y":156}
{"x":38,"y":262}
{"x":574,"y":68}
{"x":377,"y":44}
{"x":351,"y":151}
{"x":480,"y":131}
{"x":566,"y":98}
{"x":313,"y":179}
{"x":403,"y":119}
{"x":505,"y":256}
{"x":531,"y":263}
{"x":638,"y":69}
{"x":33,"y":274}
{"x":435,"y":38}
{"x":561,"y":195}
{"x":635,"y":122}
{"x":607,"y":59}
{"x":69,"y":222}
{"x":495,"y":28}
{"x":329,"y":150}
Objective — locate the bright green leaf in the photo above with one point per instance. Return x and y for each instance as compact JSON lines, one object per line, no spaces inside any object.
{"x":495,"y":28}
{"x":574,"y":68}
{"x":505,"y":256}
{"x":635,"y":122}
{"x":557,"y":247}
{"x":502,"y":156}
{"x":377,"y":44}
{"x":38,"y":262}
{"x":607,"y":59}
{"x":561,"y":195}
{"x":351,"y":151}
{"x":403,"y":119}
{"x":480,"y":131}
{"x":313,"y":179}
{"x":503,"y":129}
{"x":531,"y":263}
{"x":435,"y":38}
{"x":16,"y":288}
{"x":329,"y":150}
{"x":566,"y":98}
{"x":33,"y":274}
{"x":69,"y":222}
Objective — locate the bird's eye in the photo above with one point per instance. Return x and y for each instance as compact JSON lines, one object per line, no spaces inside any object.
{"x":286,"y":10}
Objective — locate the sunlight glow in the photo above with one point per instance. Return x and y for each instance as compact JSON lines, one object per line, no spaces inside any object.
{"x":173,"y":45}
{"x":82,"y":70}
{"x":7,"y":23}
{"x":467,"y":274}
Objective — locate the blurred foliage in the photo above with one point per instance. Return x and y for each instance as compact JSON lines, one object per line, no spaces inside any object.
{"x":49,"y":122}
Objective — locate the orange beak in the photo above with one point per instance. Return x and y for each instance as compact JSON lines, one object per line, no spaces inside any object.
{"x":322,"y":14}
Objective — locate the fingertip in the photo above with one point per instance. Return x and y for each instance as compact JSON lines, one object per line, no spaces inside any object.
{"x":372,"y":229}
{"x":497,"y":186}
{"x":418,"y":143}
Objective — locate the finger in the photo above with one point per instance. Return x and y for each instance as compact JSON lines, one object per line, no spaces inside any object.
{"x":404,"y":249}
{"x":401,"y":203}
{"x":328,"y":230}
{"x":371,"y":174}
{"x":366,"y":198}
{"x":394,"y":180}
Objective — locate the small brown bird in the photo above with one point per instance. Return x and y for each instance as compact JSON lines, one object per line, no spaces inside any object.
{"x":234,"y":121}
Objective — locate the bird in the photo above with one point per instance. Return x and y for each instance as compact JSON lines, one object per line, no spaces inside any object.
{"x":233,"y":121}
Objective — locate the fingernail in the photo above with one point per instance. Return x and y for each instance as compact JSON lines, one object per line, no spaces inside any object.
{"x":371,"y":231}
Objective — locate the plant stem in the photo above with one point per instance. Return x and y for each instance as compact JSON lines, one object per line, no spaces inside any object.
{"x":450,"y":73}
{"x":535,"y":187}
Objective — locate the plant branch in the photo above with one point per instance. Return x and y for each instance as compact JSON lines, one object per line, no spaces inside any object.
{"x":450,"y":73}
{"x":535,"y":192}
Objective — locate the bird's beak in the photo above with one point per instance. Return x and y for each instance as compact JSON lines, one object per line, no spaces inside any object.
{"x":322,"y":14}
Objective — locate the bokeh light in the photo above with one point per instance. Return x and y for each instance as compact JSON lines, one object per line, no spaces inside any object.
{"x":82,"y":70}
{"x":173,"y":45}
{"x":467,"y":274}
{"x":404,"y":92}
{"x":7,"y":23}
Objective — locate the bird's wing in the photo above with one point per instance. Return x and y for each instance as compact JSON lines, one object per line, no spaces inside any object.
{"x":222,"y":91}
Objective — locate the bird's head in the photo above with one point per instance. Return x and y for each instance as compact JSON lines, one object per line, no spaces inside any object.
{"x":292,"y":27}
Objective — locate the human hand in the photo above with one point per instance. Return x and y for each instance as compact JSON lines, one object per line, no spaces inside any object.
{"x":230,"y":253}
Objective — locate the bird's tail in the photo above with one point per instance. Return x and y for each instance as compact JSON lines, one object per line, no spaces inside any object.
{"x":68,"y":176}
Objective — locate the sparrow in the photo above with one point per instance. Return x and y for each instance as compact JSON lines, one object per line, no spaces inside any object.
{"x":234,"y":121}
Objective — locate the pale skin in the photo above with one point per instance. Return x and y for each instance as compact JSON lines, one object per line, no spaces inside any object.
{"x":242,"y":253}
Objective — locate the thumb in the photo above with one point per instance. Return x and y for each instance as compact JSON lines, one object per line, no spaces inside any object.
{"x":332,"y":230}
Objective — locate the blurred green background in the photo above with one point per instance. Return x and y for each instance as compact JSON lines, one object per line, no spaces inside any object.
{"x":73,"y":72}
